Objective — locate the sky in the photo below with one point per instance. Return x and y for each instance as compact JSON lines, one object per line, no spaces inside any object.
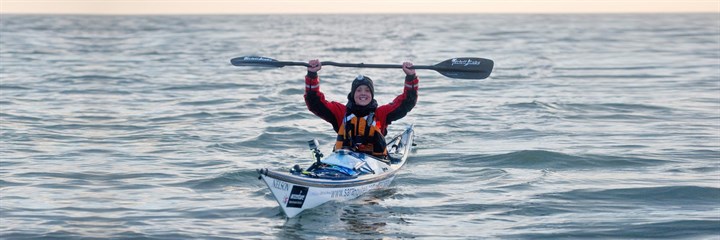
{"x":353,"y":6}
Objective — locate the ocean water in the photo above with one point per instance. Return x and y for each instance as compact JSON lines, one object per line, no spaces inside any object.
{"x":591,"y":126}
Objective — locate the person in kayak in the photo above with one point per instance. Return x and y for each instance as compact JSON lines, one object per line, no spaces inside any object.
{"x":361,"y":124}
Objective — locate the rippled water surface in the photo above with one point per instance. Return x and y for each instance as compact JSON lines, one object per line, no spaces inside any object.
{"x":591,"y":126}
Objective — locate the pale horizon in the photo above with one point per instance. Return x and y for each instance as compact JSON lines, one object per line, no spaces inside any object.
{"x":129,"y":7}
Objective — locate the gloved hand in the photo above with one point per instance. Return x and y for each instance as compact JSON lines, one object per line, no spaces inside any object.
{"x":407,"y":68}
{"x":315,"y":65}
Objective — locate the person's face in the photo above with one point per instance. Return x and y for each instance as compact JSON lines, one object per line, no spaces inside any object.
{"x":362,"y":95}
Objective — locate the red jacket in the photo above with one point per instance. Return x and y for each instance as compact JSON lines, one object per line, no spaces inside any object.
{"x":334,"y":112}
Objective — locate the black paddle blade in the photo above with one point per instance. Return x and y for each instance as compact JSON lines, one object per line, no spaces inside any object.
{"x":255,"y":61}
{"x":465,"y":68}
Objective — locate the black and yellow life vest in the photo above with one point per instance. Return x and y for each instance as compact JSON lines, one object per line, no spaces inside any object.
{"x":361,"y":134}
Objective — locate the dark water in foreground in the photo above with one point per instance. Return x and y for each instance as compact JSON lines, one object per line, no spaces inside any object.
{"x":591,"y":126}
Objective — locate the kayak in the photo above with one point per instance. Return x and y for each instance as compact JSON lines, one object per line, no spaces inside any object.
{"x":343,"y":175}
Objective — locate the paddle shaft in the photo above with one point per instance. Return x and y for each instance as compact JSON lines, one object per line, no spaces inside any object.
{"x":356,"y":65}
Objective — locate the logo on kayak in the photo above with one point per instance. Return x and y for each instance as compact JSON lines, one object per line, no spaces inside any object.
{"x":280,"y":185}
{"x":464,"y":62}
{"x":297,"y":197}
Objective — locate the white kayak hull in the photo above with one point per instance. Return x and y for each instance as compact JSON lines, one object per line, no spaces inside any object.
{"x":294,"y":198}
{"x":296,"y":193}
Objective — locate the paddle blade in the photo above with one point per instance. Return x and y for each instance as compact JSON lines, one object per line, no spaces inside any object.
{"x":465,"y":68}
{"x":255,"y":61}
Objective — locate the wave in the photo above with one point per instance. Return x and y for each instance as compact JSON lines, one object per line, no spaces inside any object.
{"x":275,"y":118}
{"x":346,"y":49}
{"x":236,"y":178}
{"x":611,"y":107}
{"x":615,"y":76}
{"x":105,"y":79}
{"x":13,"y":87}
{"x":95,"y":117}
{"x":19,"y":117}
{"x":291,"y":91}
{"x":96,"y":92}
{"x":673,"y":229}
{"x":272,"y":138}
{"x":540,"y":159}
{"x":93,"y":176}
{"x":666,"y":195}
{"x":199,"y":115}
{"x":208,"y":87}
{"x":209,"y":102}
{"x":96,"y":126}
{"x":636,"y":67}
{"x":5,"y":183}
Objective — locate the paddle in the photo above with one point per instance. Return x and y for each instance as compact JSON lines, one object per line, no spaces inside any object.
{"x":463,"y":68}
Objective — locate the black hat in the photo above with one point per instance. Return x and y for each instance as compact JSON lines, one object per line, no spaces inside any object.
{"x":361,"y":80}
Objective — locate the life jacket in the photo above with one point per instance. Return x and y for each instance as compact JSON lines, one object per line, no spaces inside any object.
{"x":361,"y":134}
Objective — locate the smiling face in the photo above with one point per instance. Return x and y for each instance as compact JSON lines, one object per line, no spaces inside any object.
{"x":363,"y":96}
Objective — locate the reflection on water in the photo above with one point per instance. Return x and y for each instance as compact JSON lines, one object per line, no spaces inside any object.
{"x":361,"y":222}
{"x":363,"y":217}
{"x":368,"y":217}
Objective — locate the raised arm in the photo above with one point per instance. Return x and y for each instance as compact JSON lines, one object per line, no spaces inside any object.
{"x":332,"y":112}
{"x":403,"y":103}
